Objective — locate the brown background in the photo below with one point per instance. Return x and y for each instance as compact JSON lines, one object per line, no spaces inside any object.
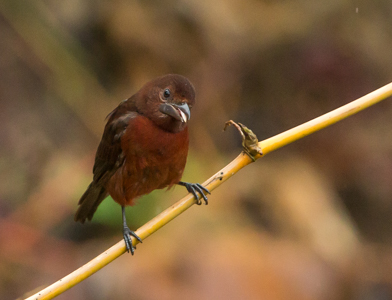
{"x":310,"y":221}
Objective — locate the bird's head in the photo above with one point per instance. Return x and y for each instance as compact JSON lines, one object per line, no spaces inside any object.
{"x":167,"y":101}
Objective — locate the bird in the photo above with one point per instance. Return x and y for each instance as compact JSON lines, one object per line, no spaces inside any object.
{"x":144,"y":147}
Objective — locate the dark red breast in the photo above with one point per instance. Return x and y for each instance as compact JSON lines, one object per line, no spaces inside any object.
{"x":153,"y":159}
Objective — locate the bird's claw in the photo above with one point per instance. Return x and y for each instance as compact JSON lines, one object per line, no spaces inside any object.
{"x":195,"y":189}
{"x":127,"y":233}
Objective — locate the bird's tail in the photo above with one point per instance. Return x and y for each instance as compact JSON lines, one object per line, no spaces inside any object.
{"x":89,"y":202}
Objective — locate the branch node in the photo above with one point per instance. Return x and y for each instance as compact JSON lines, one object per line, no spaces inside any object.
{"x":250,"y":143}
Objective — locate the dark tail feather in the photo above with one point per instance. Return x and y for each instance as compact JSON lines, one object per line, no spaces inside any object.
{"x":89,"y":202}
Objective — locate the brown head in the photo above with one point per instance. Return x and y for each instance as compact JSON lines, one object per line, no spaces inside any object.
{"x":167,"y":101}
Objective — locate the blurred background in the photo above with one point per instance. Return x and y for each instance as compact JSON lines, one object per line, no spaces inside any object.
{"x":309,"y":221}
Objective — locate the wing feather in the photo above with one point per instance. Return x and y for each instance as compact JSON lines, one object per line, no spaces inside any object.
{"x":109,"y":155}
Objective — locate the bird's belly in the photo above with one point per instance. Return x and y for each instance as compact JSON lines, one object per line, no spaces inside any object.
{"x":153,"y":163}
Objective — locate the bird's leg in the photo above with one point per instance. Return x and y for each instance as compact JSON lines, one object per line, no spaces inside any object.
{"x":127,"y":234}
{"x":195,"y":188}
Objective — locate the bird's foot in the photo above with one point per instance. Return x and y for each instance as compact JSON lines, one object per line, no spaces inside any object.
{"x":194,"y":189}
{"x":127,"y":239}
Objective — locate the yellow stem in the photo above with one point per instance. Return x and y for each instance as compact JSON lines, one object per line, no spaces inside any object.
{"x":325,"y":120}
{"x":238,"y":163}
{"x":143,"y":232}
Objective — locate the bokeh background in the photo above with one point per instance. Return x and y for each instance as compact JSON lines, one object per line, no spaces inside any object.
{"x":310,"y":221}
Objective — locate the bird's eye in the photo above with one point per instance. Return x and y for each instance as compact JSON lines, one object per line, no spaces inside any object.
{"x":166,"y":93}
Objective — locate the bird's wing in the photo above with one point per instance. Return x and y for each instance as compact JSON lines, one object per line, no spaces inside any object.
{"x":109,"y":155}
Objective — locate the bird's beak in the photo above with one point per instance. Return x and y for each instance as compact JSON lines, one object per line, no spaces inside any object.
{"x":179,"y":112}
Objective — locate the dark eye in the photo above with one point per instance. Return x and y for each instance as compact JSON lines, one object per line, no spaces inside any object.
{"x":166,"y":93}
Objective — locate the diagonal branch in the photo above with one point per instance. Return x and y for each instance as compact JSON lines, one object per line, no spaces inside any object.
{"x":238,"y":163}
